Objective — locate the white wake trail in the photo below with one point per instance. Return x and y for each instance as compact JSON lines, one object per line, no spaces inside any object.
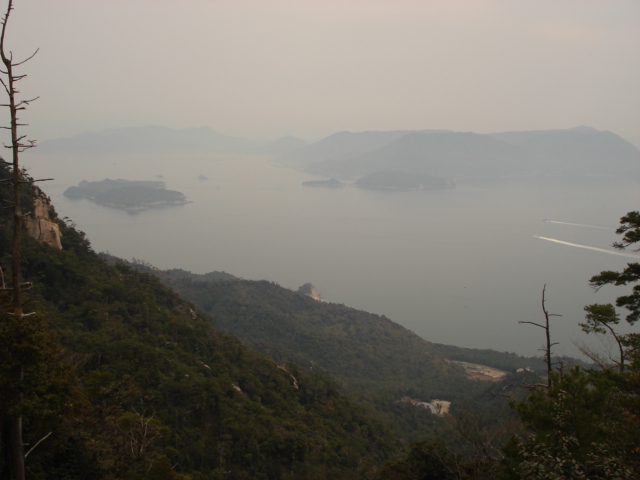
{"x":595,"y":249}
{"x":579,"y":225}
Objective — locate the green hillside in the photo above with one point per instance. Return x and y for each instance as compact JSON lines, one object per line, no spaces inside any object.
{"x":368,"y":355}
{"x":133,"y":383}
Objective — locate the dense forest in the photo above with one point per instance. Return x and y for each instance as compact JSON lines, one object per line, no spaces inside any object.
{"x":367,"y":355}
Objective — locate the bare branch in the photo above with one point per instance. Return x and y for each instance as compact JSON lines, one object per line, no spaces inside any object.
{"x":27,"y":59}
{"x":507,"y":395}
{"x":533,"y":323}
{"x":27,"y":102}
{"x":37,"y":443}
{"x":39,"y":180}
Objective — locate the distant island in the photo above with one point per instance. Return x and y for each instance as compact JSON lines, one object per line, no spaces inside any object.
{"x":388,"y":180}
{"x":127,"y":195}
{"x":332,"y":183}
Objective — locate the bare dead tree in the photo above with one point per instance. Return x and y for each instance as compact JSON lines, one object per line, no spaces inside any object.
{"x":547,"y":330}
{"x":17,"y":145}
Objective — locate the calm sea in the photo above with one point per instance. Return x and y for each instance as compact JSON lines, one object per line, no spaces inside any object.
{"x":459,"y":266}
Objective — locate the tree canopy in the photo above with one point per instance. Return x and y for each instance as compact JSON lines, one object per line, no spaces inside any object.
{"x":602,"y":318}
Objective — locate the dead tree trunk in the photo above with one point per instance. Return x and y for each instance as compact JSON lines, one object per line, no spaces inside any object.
{"x":18,"y":144}
{"x":547,"y":331}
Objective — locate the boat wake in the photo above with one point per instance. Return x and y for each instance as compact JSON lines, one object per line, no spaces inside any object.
{"x":586,"y":247}
{"x":599,"y":227}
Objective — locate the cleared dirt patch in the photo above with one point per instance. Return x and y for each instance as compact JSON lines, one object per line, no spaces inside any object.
{"x":476,"y":371}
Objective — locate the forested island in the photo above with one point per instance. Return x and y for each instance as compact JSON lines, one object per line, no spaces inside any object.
{"x":127,"y":194}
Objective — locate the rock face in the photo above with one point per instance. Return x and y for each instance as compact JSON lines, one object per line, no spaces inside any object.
{"x":39,"y":225}
{"x":310,"y":291}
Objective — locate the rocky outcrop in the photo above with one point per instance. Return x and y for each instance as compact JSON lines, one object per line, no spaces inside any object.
{"x":39,"y":224}
{"x":310,"y":291}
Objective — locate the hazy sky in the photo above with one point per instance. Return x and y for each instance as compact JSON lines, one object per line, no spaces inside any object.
{"x":266,"y":68}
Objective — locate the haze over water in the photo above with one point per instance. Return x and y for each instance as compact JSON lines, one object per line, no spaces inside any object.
{"x":459,"y":266}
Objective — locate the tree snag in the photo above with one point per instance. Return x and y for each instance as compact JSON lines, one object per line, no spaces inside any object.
{"x":18,"y":144}
{"x":547,"y":331}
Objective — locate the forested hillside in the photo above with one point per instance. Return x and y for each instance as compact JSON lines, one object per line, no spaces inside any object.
{"x":123,"y":379}
{"x":369,"y":356}
{"x":576,"y":423}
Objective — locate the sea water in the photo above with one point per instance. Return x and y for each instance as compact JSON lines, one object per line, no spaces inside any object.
{"x":459,"y":266}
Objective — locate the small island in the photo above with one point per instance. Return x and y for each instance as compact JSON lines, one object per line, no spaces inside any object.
{"x":388,"y":180}
{"x":129,"y":195}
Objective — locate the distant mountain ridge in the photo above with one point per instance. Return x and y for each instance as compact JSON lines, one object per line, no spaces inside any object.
{"x":158,"y":139}
{"x":441,"y":153}
{"x":147,"y":139}
{"x":281,"y":146}
{"x":438,"y":154}
{"x":341,"y":146}
{"x":580,"y":150}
